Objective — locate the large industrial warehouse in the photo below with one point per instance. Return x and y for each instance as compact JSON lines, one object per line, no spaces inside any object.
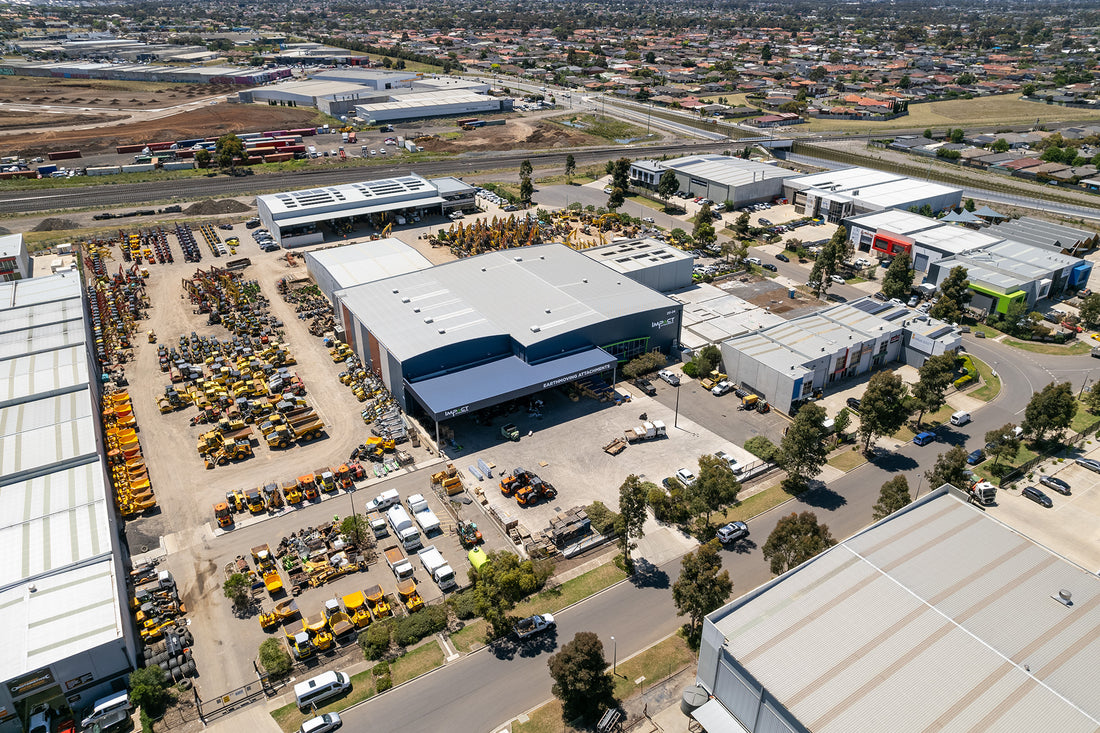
{"x":787,"y":362}
{"x":67,"y":640}
{"x":295,"y":218}
{"x":339,"y":268}
{"x":482,"y":330}
{"x":836,"y":195}
{"x":937,"y":618}
{"x":719,"y":178}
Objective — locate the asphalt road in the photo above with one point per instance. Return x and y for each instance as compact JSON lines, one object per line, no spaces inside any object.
{"x":485,"y":690}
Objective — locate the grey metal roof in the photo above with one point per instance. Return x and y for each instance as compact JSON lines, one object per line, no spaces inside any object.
{"x":527,"y":293}
{"x":354,"y":264}
{"x":35,"y":375}
{"x":727,"y":170}
{"x":54,"y":432}
{"x":1042,"y":233}
{"x":42,"y":338}
{"x":936,"y":618}
{"x":43,"y":314}
{"x":337,"y":199}
{"x":875,"y":188}
{"x":897,"y":221}
{"x":21,"y":293}
{"x":635,"y":254}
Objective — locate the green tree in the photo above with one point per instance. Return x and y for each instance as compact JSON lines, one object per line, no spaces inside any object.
{"x":795,"y":539}
{"x":893,"y":495}
{"x":500,"y":583}
{"x":882,"y":408}
{"x":581,"y":679}
{"x":525,"y":169}
{"x":356,"y":529}
{"x":954,"y":294}
{"x":957,"y":135}
{"x":1049,"y":412}
{"x":645,"y":363}
{"x":741,"y":224}
{"x":898,"y":280}
{"x":704,"y":227}
{"x":202,"y":158}
{"x":708,"y":359}
{"x":227,"y":149}
{"x":827,"y":262}
{"x":802,"y":451}
{"x":147,"y":688}
{"x":632,"y":515}
{"x":936,"y":375}
{"x":701,"y":588}
{"x":1090,"y":310}
{"x":570,"y":168}
{"x":950,"y":468}
{"x":970,"y":205}
{"x":235,"y":588}
{"x":668,"y":185}
{"x":620,"y":174}
{"x":841,"y":423}
{"x":526,"y":190}
{"x":616,"y":198}
{"x":1002,"y":443}
{"x":274,"y":658}
{"x":928,"y":133}
{"x":714,"y":489}
{"x":1092,"y":398}
{"x":1000,"y":145}
{"x":766,"y":53}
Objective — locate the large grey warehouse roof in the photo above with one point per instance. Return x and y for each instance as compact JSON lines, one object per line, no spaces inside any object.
{"x":529,"y":293}
{"x":355,"y":264}
{"x":936,"y":618}
{"x":635,"y":254}
{"x":348,"y":199}
{"x":875,"y":188}
{"x":726,"y":170}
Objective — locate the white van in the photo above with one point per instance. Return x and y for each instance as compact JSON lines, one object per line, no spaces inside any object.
{"x":108,"y":711}
{"x":960,"y":418}
{"x":320,"y":688}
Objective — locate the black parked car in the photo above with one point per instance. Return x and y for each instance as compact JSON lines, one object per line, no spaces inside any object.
{"x":770,"y":267}
{"x":1037,"y":496}
{"x":853,"y":403}
{"x":975,"y":457}
{"x":782,"y":257}
{"x":646,"y":386}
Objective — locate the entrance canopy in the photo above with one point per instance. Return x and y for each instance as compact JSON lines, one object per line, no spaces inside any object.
{"x":471,"y":389}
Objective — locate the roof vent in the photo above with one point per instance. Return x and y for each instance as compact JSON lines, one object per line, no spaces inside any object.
{"x":518,"y":259}
{"x":535,"y":329}
{"x":416,"y":310}
{"x":442,"y":331}
{"x":584,"y":279}
{"x":542,"y":257}
{"x":396,"y":291}
{"x":428,"y":319}
{"x":1064,"y":597}
{"x":484,"y":270}
{"x":547,"y":310}
{"x":34,"y":588}
{"x":404,"y":300}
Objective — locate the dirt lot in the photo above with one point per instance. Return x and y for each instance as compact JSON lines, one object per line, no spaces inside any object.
{"x":517,"y":133}
{"x":204,"y":121}
{"x":101,"y":92}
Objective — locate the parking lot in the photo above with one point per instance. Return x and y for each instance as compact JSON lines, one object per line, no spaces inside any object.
{"x":565,"y":447}
{"x":1071,"y":527}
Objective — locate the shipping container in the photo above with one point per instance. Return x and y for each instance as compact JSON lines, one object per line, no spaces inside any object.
{"x":304,"y":132}
{"x":186,"y":154}
{"x":190,"y":143}
{"x":63,"y":154}
{"x":135,"y":148}
{"x":139,"y":168}
{"x":262,"y":151}
{"x":45,"y":170}
{"x":494,"y":122}
{"x":179,"y":165}
{"x":18,"y":174}
{"x":161,"y":146}
{"x":467,"y":121}
{"x":278,"y":157}
{"x":248,"y":135}
{"x":103,"y":170}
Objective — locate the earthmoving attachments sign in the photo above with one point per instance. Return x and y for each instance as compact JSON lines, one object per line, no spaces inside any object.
{"x":30,"y":682}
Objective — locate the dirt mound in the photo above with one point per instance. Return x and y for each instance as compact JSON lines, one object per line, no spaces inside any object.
{"x":515,"y":134}
{"x":206,"y":121}
{"x":213,"y":206}
{"x":53,"y":225}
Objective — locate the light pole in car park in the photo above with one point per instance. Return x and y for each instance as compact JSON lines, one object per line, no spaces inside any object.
{"x":614,"y":656}
{"x":676,"y":418}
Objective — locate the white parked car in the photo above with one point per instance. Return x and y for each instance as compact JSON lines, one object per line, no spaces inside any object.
{"x":721,"y":388}
{"x":669,"y":377}
{"x":321,"y":724}
{"x":685,"y":476}
{"x":837,"y":279}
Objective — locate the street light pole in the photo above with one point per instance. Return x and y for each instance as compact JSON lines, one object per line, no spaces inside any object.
{"x":1083,"y":385}
{"x":614,"y":656}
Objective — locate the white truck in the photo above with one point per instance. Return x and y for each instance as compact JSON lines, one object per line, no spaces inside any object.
{"x":403,"y":527}
{"x":647,"y":431}
{"x":399,"y":564}
{"x":533,"y":625}
{"x":424,"y":516}
{"x":437,"y":567}
{"x":383,"y":501}
{"x":983,"y":493}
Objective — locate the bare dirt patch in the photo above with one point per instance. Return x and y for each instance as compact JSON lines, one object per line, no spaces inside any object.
{"x":513,"y":135}
{"x":55,"y":225}
{"x":17,"y":120}
{"x":101,"y":92}
{"x":217,"y":206}
{"x":206,"y":121}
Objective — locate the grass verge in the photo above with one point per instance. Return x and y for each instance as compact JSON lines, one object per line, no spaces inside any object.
{"x":1075,"y":349}
{"x":985,"y":469}
{"x":470,"y":637}
{"x":758,"y":503}
{"x":652,"y":665}
{"x":545,"y":719}
{"x":289,"y":718}
{"x":847,"y":459}
{"x":991,"y":385}
{"x":1083,"y":418}
{"x":608,"y":128}
{"x":571,"y":591}
{"x":415,"y":663}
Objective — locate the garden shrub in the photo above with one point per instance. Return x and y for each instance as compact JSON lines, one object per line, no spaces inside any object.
{"x":463,"y":604}
{"x":603,"y":519}
{"x":376,"y":639}
{"x":761,"y":447}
